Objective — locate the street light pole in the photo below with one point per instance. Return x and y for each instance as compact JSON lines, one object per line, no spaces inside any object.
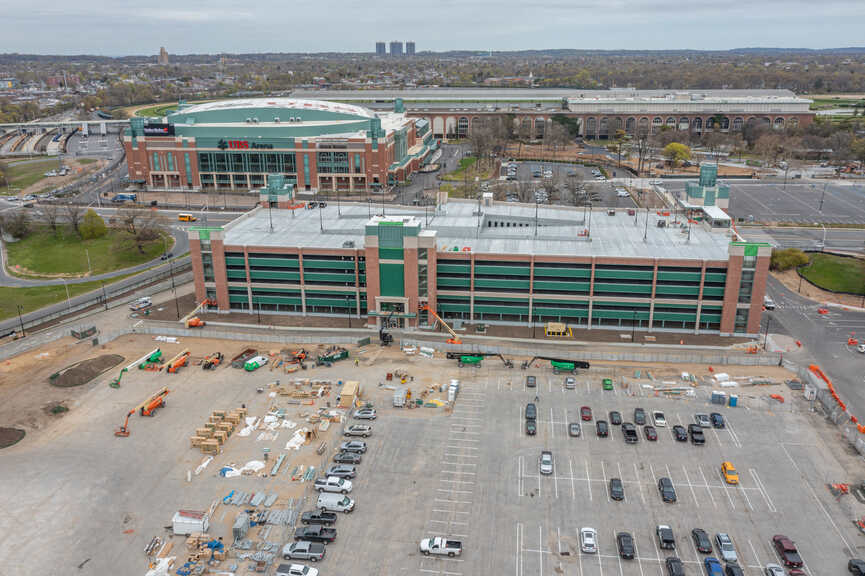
{"x":68,"y":302}
{"x":104,"y":296}
{"x":634,"y":328}
{"x":823,"y":196}
{"x":89,"y":268}
{"x":349,"y":310}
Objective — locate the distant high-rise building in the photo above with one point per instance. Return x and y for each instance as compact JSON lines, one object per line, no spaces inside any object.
{"x":380,"y":49}
{"x":163,"y":57}
{"x":409,"y":48}
{"x":396,"y":48}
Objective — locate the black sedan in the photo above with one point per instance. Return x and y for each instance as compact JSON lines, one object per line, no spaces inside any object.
{"x":617,"y":489}
{"x":650,"y":432}
{"x":615,"y":418}
{"x":701,"y":541}
{"x":667,"y":490}
{"x":347,"y":458}
{"x":680,"y":433}
{"x":602,"y":428}
{"x":639,"y":416}
{"x":625,"y":543}
{"x":717,"y":420}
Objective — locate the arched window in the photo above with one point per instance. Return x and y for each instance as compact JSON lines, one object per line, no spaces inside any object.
{"x":737,"y":124}
{"x":644,"y":126}
{"x":697,"y":125}
{"x":591,"y":127}
{"x":630,"y":125}
{"x":725,"y":123}
{"x":616,"y":124}
{"x":657,"y":122}
{"x":671,"y":123}
{"x":603,"y":128}
{"x":684,"y":124}
{"x":779,"y":123}
{"x":462,"y":127}
{"x":526,"y":127}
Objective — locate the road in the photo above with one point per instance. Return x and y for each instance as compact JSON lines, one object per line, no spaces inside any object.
{"x":824,"y":340}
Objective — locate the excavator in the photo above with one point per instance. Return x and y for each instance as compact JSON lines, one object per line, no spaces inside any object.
{"x":454,"y":339}
{"x":147,"y":408}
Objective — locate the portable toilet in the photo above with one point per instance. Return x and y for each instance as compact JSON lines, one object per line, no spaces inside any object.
{"x":734,"y":400}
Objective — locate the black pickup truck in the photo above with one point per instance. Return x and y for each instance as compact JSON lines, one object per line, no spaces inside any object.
{"x":318,"y":517}
{"x":315,"y":533}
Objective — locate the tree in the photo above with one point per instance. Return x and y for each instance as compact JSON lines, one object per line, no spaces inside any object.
{"x":51,"y":212}
{"x":787,"y":258}
{"x":73,"y":214}
{"x":642,"y":146}
{"x":15,"y":224}
{"x":675,"y":153}
{"x":2,"y":177}
{"x":140,"y":227}
{"x":93,"y":226}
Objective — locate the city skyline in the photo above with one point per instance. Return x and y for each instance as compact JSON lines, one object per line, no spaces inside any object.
{"x":214,"y":27}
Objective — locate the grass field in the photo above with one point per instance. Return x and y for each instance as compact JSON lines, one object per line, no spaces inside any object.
{"x":45,"y":253}
{"x":837,"y":102}
{"x":84,"y":161}
{"x":836,"y":273}
{"x":468,"y":170}
{"x":35,"y":297}
{"x":24,"y":173}
{"x":157,"y":111}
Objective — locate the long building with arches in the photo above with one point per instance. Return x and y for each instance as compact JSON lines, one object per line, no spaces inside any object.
{"x":454,"y":113}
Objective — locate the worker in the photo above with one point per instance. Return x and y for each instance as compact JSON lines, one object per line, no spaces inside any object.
{"x":356,"y":362}
{"x":536,"y":398}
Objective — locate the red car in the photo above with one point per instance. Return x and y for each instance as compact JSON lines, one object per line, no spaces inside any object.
{"x":586,"y":414}
{"x":650,"y":432}
{"x":787,"y":550}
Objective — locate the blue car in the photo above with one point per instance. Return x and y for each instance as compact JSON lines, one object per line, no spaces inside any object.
{"x":713,"y":567}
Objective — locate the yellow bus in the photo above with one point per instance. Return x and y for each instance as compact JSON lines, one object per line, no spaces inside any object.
{"x":186,"y":217}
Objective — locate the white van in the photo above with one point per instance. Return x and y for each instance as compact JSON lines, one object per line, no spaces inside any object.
{"x":335,"y":502}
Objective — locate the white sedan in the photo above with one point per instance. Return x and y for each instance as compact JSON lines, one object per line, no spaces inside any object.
{"x":589,"y":540}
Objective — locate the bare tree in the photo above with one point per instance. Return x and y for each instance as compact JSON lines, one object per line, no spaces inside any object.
{"x":51,"y":212}
{"x":74,"y":213}
{"x":15,"y":224}
{"x":141,"y":226}
{"x":642,"y":147}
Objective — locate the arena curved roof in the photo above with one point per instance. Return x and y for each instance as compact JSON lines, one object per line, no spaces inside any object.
{"x":278,"y":104}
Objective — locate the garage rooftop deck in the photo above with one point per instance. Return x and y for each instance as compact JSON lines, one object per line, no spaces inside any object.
{"x":503,"y":228}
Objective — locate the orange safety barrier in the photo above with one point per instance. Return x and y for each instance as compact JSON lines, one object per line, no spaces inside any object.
{"x":777,"y":397}
{"x":816,"y":370}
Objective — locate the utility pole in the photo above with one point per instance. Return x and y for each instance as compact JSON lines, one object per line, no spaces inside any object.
{"x":21,"y":321}
{"x":104,"y":296}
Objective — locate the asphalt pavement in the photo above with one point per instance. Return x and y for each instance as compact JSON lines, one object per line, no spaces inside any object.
{"x":824,"y":340}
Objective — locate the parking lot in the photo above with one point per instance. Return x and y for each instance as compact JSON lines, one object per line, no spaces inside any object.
{"x":473,"y":476}
{"x":795,"y":202}
{"x":556,"y":183}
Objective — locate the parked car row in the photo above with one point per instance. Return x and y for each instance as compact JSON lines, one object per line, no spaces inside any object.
{"x":722,"y":543}
{"x":317,"y":527}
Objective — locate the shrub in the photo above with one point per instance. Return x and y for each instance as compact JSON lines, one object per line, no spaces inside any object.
{"x":787,"y":258}
{"x":93,"y":226}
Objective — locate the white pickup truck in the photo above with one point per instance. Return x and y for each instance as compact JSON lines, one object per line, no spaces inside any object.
{"x":441,"y":545}
{"x":333,"y":484}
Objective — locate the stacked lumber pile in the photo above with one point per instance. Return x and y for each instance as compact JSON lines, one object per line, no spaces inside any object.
{"x":216,"y":431}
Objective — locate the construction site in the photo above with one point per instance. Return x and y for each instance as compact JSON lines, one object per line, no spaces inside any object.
{"x":175,"y":450}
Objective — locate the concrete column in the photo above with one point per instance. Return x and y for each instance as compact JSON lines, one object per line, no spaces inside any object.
{"x":731,"y":291}
{"x":219,"y":274}
{"x":302,"y":283}
{"x":472,"y":287}
{"x":700,"y":296}
{"x":591,"y":293}
{"x":652,"y":301}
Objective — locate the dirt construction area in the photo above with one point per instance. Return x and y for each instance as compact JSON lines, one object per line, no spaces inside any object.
{"x":244,"y":447}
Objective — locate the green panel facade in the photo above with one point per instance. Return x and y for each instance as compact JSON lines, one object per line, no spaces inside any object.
{"x":392,"y":279}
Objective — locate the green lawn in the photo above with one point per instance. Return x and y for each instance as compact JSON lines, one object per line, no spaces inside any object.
{"x":33,"y":298}
{"x":468,"y":170}
{"x":23,"y":174}
{"x":46,"y":253}
{"x":83,"y":161}
{"x":836,"y":273}
{"x":157,"y":111}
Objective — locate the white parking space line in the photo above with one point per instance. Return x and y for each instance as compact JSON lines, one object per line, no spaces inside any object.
{"x":587,"y":387}
{"x":447,"y":463}
{"x":726,"y":490}
{"x":451,"y":455}
{"x":747,"y":500}
{"x":708,"y":488}
{"x":552,"y":424}
{"x":457,"y":472}
{"x":588,"y":480}
{"x":622,"y":479}
{"x":733,"y":434}
{"x":654,"y":478}
{"x":556,"y":479}
{"x":693,"y":548}
{"x":449,"y":511}
{"x":573,"y":489}
{"x":754,"y":551}
{"x":616,"y":545}
{"x":451,"y":501}
{"x":606,"y":485}
{"x":467,"y":440}
{"x":456,"y":481}
{"x":759,"y":482}
{"x":520,"y":477}
{"x":461,"y":447}
{"x":819,"y":503}
{"x":519,"y":547}
{"x":691,"y":486}
{"x":637,"y":555}
{"x":452,"y":491}
{"x":639,"y":485}
{"x":541,"y":548}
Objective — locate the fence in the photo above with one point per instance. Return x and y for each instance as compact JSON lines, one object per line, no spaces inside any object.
{"x":643,"y":354}
{"x":833,"y":409}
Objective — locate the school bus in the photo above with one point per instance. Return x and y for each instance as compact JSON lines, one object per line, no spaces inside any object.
{"x":186,"y":217}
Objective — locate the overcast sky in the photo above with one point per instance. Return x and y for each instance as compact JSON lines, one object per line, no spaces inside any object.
{"x":123,"y":27}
